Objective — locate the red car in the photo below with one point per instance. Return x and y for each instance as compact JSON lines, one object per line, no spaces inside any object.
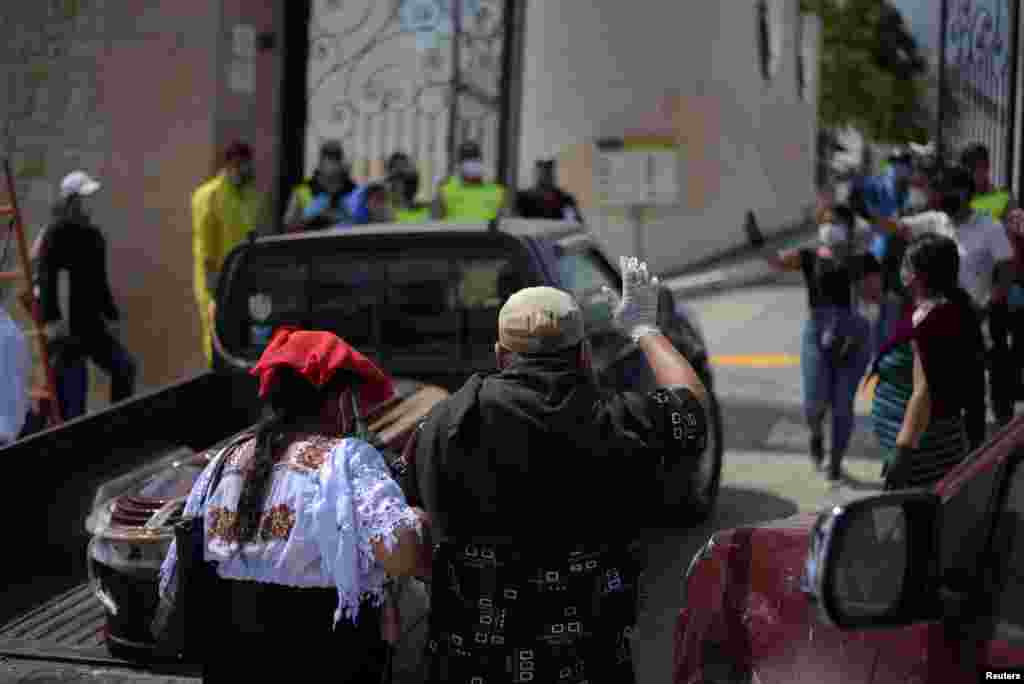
{"x":913,"y":586}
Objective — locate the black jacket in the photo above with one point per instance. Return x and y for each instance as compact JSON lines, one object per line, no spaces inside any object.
{"x":539,"y":452}
{"x":81,"y":249}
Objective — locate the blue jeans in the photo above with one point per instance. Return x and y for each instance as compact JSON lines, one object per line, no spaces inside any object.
{"x":107,"y":352}
{"x":829,"y":382}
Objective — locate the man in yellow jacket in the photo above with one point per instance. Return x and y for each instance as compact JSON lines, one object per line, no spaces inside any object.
{"x":224,"y":210}
{"x":467,"y":197}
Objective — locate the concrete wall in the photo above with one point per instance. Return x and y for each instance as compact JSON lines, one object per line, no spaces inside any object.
{"x":595,"y":68}
{"x":137,"y":94}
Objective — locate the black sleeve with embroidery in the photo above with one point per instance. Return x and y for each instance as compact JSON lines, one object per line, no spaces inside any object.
{"x":679,"y":422}
{"x":670,"y":422}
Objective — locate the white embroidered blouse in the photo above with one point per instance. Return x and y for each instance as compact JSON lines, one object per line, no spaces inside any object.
{"x":328,"y":500}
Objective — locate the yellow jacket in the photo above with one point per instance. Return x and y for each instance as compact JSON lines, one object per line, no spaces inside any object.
{"x":222,"y":216}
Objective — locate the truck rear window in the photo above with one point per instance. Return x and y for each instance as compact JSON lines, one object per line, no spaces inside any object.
{"x":392,"y":304}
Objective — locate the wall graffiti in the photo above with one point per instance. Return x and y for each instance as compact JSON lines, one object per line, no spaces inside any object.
{"x":977,"y":44}
{"x":380,"y":77}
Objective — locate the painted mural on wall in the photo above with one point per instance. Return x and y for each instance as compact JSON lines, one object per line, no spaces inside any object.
{"x":978,"y":44}
{"x":380,"y":80}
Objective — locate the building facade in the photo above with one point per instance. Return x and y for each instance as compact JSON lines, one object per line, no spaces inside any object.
{"x":145,"y":95}
{"x":980,"y":74}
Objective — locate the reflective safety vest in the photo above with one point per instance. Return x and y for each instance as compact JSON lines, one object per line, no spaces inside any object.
{"x":992,"y":203}
{"x":413,"y":215}
{"x":471,"y":203}
{"x":304,"y":195}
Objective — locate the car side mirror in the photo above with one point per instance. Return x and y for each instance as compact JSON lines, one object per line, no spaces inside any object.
{"x":873,"y":563}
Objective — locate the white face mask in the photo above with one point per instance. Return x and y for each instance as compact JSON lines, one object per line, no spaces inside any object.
{"x":832,"y":234}
{"x":473,"y":168}
{"x":917,"y":199}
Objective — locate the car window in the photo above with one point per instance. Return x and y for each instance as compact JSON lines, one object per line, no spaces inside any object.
{"x":345,"y":296}
{"x":388,"y":303}
{"x":1008,"y":543}
{"x":274,"y":293}
{"x":583,"y":274}
{"x":419,"y":316}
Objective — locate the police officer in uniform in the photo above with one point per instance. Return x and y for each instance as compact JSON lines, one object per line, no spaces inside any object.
{"x":466,"y":197}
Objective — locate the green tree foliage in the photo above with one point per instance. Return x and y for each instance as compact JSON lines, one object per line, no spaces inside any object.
{"x":872,"y":76}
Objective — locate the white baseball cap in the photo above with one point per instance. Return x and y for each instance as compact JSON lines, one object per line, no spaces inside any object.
{"x":78,"y":183}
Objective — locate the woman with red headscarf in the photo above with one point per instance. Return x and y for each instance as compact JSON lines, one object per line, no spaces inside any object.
{"x":305,"y":524}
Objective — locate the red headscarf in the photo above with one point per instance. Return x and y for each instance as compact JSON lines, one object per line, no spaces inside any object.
{"x":317,"y":356}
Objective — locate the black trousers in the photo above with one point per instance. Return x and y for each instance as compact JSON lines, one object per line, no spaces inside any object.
{"x":106,"y":351}
{"x":1006,"y":329}
{"x":266,"y":632}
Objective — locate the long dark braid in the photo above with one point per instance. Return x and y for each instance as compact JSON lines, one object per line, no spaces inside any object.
{"x":293,"y":404}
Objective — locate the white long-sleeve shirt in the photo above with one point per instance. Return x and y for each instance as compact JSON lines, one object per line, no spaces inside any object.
{"x":15,"y":368}
{"x":981,"y":241}
{"x":327,"y":501}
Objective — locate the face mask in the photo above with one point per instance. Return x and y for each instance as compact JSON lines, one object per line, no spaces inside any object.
{"x":832,"y":234}
{"x":917,"y":199}
{"x":473,"y":168}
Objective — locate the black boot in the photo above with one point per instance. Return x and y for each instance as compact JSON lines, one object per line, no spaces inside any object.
{"x":835,"y":470}
{"x":817,"y":451}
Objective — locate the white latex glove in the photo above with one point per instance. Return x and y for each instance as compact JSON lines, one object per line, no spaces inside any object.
{"x":636,"y":313}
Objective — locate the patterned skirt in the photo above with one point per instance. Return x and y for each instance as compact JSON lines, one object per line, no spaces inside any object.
{"x":943,"y":444}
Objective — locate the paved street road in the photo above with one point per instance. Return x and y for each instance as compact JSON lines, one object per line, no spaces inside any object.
{"x":754,"y":335}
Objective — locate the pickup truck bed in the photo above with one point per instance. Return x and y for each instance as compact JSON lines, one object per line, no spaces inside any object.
{"x":62,"y":640}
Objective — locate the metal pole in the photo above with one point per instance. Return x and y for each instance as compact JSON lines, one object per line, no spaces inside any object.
{"x":940,"y":133}
{"x":1013,"y":134}
{"x":456,"y":83}
{"x":511,"y":94}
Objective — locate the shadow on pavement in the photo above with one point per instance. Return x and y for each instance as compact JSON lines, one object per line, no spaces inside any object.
{"x":763,"y":425}
{"x":862,"y":485}
{"x":669,"y":553}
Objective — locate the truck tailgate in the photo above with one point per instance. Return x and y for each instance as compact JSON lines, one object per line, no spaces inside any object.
{"x":62,"y":640}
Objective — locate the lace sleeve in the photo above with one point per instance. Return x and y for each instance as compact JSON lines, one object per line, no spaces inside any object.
{"x":380,"y":506}
{"x":358,"y":502}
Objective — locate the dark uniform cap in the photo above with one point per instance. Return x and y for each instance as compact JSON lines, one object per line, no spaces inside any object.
{"x":332,"y":149}
{"x":540,"y":320}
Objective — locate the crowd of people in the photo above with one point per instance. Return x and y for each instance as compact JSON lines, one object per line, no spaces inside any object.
{"x":915,"y":298}
{"x":227,"y":208}
{"x":81,"y":319}
{"x":309,"y":526}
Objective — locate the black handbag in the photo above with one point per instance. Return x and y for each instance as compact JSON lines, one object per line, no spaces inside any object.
{"x":180,"y":627}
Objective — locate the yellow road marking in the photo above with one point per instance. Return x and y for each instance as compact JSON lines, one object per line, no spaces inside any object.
{"x":757,"y":360}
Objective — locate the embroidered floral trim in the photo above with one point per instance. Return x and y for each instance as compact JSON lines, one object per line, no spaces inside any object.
{"x":303,"y":454}
{"x":275,"y":523}
{"x":311,"y":453}
{"x":222,"y":524}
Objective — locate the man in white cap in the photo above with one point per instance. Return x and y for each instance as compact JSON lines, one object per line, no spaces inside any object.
{"x":73,"y":243}
{"x":537,"y":481}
